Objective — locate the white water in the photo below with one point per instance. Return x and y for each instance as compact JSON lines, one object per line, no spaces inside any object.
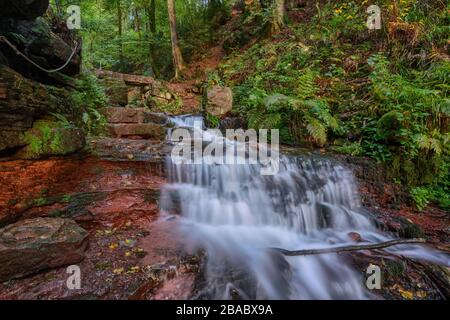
{"x":234,"y":213}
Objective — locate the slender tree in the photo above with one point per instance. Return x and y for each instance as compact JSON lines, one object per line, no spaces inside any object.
{"x":278,"y":15}
{"x":120,"y":30}
{"x":152,"y":16}
{"x":176,"y":52}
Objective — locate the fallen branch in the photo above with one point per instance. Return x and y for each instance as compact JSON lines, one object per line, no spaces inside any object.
{"x":382,"y":245}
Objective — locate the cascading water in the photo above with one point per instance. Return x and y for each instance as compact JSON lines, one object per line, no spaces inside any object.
{"x":235,"y":213}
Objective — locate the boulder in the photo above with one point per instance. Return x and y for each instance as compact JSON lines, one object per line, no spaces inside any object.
{"x":23,"y":9}
{"x":33,"y":245}
{"x":48,"y":138}
{"x":39,"y":43}
{"x":21,"y":105}
{"x":220,"y":100}
{"x":232,"y":123}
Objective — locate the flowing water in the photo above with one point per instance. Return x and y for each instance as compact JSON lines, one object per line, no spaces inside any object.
{"x":234,"y":214}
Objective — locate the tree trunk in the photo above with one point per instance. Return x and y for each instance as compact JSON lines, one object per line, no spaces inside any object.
{"x":150,"y":10}
{"x":137,"y":23}
{"x":120,"y":27}
{"x":152,"y":17}
{"x":176,"y":52}
{"x":278,"y":16}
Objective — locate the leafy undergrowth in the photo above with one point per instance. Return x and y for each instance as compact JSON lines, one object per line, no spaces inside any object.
{"x":329,"y":81}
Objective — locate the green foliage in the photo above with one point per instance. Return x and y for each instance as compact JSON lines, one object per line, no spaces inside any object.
{"x":391,"y":93}
{"x":350,"y":148}
{"x":140,"y":43}
{"x":275,"y":89}
{"x":48,"y":137}
{"x":212,"y":121}
{"x":421,"y":197}
{"x":90,"y":98}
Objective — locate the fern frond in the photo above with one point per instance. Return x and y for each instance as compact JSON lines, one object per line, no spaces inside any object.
{"x":271,"y":121}
{"x":317,"y":131}
{"x":306,"y":86}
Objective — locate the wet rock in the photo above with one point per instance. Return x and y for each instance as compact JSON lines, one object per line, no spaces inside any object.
{"x":220,"y":100}
{"x":24,"y":9}
{"x":129,"y":150}
{"x":232,"y":123}
{"x":354,"y":236}
{"x":30,"y":246}
{"x":145,"y":130}
{"x":48,"y":138}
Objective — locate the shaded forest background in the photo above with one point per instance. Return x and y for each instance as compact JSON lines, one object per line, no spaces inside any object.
{"x":312,"y":70}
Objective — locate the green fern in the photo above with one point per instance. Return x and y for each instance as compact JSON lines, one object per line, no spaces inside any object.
{"x":317,"y":131}
{"x":306,"y":86}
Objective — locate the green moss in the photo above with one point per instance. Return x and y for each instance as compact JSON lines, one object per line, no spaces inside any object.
{"x":412,"y":231}
{"x":40,"y":202}
{"x":51,"y":138}
{"x":40,"y":137}
{"x":395,"y":268}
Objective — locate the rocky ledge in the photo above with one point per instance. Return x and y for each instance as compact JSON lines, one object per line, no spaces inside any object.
{"x":30,"y":246}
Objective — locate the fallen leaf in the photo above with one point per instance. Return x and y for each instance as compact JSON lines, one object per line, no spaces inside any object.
{"x":134,"y":269}
{"x":118,"y":271}
{"x":113,"y":246}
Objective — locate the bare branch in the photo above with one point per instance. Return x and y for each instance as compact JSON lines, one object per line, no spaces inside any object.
{"x":382,"y":245}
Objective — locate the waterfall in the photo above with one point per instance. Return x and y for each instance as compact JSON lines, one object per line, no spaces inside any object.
{"x":234,"y":214}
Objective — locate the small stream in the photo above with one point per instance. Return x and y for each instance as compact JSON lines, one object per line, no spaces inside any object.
{"x":234,"y":213}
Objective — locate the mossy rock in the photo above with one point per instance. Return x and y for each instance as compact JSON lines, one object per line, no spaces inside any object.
{"x":49,"y":138}
{"x":116,"y":91}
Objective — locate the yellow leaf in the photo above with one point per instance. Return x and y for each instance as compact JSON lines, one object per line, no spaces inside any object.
{"x":113,"y":246}
{"x":118,"y":271}
{"x":134,"y":269}
{"x":406,"y":294}
{"x":127,"y":254}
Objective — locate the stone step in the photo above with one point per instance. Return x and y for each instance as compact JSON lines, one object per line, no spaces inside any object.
{"x":113,"y":149}
{"x":133,"y":115}
{"x":143,"y":130}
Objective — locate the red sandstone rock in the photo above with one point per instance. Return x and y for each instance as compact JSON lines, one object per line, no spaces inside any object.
{"x":356,"y":237}
{"x":38,"y":244}
{"x":132,"y":115}
{"x":124,"y":115}
{"x":220,"y":100}
{"x":145,"y":130}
